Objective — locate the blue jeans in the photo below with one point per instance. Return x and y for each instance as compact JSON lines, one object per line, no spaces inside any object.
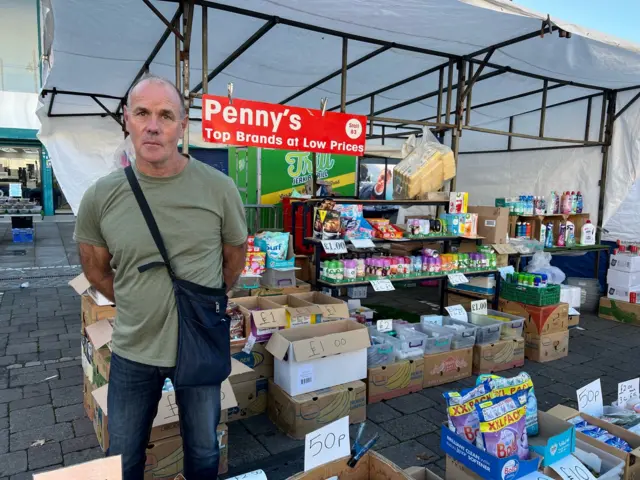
{"x":134,"y":392}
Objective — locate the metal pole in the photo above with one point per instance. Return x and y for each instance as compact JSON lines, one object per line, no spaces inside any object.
{"x":543,"y":110}
{"x":587,"y":126}
{"x":611,"y":112}
{"x":457,"y":131}
{"x":177,"y":57}
{"x":469,"y":91}
{"x":440,"y":85}
{"x":447,"y":117}
{"x":187,"y":21}
{"x":371,"y":110}
{"x":510,"y":138}
{"x":343,"y":76}
{"x":205,"y":48}
{"x":603,"y":116}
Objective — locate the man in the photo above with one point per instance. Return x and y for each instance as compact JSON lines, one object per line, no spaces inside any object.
{"x":201,"y":218}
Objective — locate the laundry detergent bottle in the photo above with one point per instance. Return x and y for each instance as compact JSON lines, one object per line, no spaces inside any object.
{"x":588,"y":234}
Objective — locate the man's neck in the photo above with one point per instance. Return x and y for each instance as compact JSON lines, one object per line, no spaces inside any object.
{"x":173,"y":166}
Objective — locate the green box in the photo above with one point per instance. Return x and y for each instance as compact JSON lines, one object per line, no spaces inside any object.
{"x":539,"y":297}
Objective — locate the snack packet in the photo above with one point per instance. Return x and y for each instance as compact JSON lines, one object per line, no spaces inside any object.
{"x":461,"y":414}
{"x":503,"y":427}
{"x":502,"y":387}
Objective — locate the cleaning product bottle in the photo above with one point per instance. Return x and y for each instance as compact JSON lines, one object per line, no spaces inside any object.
{"x":566,"y":203}
{"x":528,"y":230}
{"x":339,"y":271}
{"x":549,"y":236}
{"x":553,"y":203}
{"x":579,"y":202}
{"x":588,"y":234}
{"x":570,"y":235}
{"x":543,"y":234}
{"x":561,"y":235}
{"x":574,"y":202}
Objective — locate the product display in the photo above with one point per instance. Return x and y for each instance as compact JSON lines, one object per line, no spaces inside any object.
{"x":600,"y":434}
{"x":275,"y":244}
{"x":502,"y":423}
{"x":383,"y":229}
{"x":461,"y":413}
{"x":255,"y":260}
{"x":236,"y":322}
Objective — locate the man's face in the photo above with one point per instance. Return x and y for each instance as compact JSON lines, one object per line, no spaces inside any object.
{"x":154,"y":121}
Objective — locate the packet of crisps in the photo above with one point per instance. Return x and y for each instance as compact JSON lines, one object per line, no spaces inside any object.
{"x":461,"y":414}
{"x":503,"y":429}
{"x":502,"y":387}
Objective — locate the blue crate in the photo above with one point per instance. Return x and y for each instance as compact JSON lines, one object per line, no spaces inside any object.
{"x":22,"y":235}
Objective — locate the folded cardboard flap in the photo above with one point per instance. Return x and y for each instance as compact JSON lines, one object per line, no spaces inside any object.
{"x":109,"y":468}
{"x":320,"y":340}
{"x":556,"y":440}
{"x":330,"y":307}
{"x":81,"y":286}
{"x":421,"y":473}
{"x":99,"y":333}
{"x":265,"y":313}
{"x":296,"y":306}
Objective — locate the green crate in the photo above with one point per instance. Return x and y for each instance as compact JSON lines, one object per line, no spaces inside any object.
{"x":540,"y":297}
{"x":501,"y":202}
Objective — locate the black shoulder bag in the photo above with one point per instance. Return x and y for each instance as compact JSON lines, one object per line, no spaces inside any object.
{"x":204,"y":356}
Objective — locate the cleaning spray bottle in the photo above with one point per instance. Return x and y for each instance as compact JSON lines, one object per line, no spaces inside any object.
{"x":570,"y":235}
{"x":548,"y":243}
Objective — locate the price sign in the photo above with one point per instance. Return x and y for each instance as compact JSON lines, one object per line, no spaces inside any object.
{"x":628,"y":390}
{"x":457,"y":278}
{"x":570,"y":468}
{"x":590,"y":399}
{"x":384,"y":325}
{"x":382,"y":285}
{"x":15,"y":190}
{"x":265,"y":319}
{"x":362,"y":242}
{"x":334,"y":246}
{"x":458,"y":312}
{"x":479,"y":307}
{"x":249,"y":345}
{"x":326,"y":444}
{"x":431,"y":320}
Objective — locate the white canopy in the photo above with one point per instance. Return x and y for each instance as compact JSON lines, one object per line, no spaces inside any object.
{"x":100,"y":47}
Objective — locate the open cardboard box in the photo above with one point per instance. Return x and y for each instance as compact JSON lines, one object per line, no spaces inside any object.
{"x":299,"y":312}
{"x":82,"y":286}
{"x":318,"y":356}
{"x":331,"y":308}
{"x":109,"y":468}
{"x":632,"y":459}
{"x":263,"y":316}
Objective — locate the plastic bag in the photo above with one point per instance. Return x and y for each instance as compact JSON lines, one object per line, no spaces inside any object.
{"x":124,"y":155}
{"x":426,"y":165}
{"x":541,"y":263}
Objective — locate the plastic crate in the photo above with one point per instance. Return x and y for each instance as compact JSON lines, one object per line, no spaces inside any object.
{"x":540,"y":297}
{"x":439,"y":338}
{"x":487,"y":329}
{"x":381,"y":351}
{"x":464,"y":336}
{"x":407,"y":343}
{"x":22,"y":235}
{"x":612,"y":468}
{"x":512,"y":324}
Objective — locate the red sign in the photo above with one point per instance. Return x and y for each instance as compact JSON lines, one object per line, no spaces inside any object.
{"x":258,"y":124}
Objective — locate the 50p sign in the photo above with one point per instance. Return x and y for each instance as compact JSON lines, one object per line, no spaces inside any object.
{"x":259,"y":124}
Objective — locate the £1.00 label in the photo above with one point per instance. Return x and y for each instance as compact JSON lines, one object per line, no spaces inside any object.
{"x":334,"y":246}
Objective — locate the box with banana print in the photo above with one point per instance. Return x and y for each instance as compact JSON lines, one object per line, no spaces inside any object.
{"x":498,"y":356}
{"x":390,"y":381}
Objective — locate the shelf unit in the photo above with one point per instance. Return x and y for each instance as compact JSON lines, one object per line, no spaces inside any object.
{"x":307,"y":206}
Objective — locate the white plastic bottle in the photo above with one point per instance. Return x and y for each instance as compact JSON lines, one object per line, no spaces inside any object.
{"x":588,"y":234}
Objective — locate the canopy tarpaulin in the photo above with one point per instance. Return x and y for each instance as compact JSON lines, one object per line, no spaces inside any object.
{"x":396,"y":49}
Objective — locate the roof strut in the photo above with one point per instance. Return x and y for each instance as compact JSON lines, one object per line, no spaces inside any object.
{"x":487,"y":57}
{"x":164,"y":20}
{"x":624,"y":109}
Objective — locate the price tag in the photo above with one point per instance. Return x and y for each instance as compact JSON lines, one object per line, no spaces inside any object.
{"x":249,"y":345}
{"x":570,"y":468}
{"x":458,"y":312}
{"x":362,"y":242}
{"x":334,"y":246}
{"x":384,"y":325}
{"x":457,"y":278}
{"x":382,"y":285}
{"x":628,"y":390}
{"x":15,"y":190}
{"x":590,"y":399}
{"x":326,"y":444}
{"x":479,"y":307}
{"x":431,"y":320}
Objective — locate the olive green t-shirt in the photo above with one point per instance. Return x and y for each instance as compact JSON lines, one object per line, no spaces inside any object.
{"x":197,"y":211}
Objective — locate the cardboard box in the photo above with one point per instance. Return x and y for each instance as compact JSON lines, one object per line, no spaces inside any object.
{"x":628,"y":280}
{"x":632,"y":459}
{"x":92,"y":313}
{"x":99,"y":335}
{"x":166,"y":423}
{"x":555,"y":441}
{"x":108,"y":468}
{"x":331,"y":308}
{"x":372,"y":466}
{"x":619,"y":311}
{"x":498,"y":356}
{"x":421,"y":473}
{"x":465,"y":301}
{"x":259,"y":360}
{"x":312,"y":357}
{"x":303,"y":264}
{"x":165,"y":458}
{"x":539,"y":320}
{"x":447,"y":367}
{"x":263,"y":316}
{"x":390,"y":381}
{"x":301,"y":414}
{"x":623,"y":294}
{"x":574,"y":320}
{"x":298,"y":311}
{"x":625,"y":263}
{"x":493,"y":223}
{"x":82,"y":286}
{"x":300,"y":287}
{"x":87,"y":398}
{"x":251,"y":397}
{"x":546,"y":348}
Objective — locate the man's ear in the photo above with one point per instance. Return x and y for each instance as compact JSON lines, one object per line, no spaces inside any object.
{"x":125,"y":117}
{"x":185,"y":122}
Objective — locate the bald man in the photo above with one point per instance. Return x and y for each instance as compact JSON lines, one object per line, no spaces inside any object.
{"x":201,"y":218}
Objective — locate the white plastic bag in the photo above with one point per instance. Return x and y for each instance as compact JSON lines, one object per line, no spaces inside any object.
{"x":541,"y":263}
{"x":124,"y":155}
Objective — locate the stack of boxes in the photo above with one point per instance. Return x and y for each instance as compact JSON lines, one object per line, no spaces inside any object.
{"x":164,"y":452}
{"x":622,"y":302}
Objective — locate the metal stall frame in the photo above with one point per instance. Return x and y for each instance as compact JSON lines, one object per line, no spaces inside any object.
{"x":468,"y":72}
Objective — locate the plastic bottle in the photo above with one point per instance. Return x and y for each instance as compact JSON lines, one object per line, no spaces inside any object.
{"x":386,"y":267}
{"x":561,"y":235}
{"x":437,"y":264}
{"x":339,"y":271}
{"x":549,"y":236}
{"x":360,"y":269}
{"x":588,"y":234}
{"x":570,"y":236}
{"x":350,"y":268}
{"x":543,"y":234}
{"x":566,"y":203}
{"x":528,"y":230}
{"x":555,"y":203}
{"x":574,"y":202}
{"x":579,"y":202}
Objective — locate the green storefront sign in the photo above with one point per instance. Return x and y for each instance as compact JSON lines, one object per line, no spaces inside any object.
{"x":283,"y":171}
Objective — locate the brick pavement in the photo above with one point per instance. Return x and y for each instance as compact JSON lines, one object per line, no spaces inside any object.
{"x":41,"y":394}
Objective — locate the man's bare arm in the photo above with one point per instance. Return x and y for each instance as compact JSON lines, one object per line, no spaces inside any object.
{"x":97,"y":268}
{"x":233,"y":259}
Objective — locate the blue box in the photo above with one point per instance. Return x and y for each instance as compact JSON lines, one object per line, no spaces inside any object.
{"x":22,"y":235}
{"x":557,"y":439}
